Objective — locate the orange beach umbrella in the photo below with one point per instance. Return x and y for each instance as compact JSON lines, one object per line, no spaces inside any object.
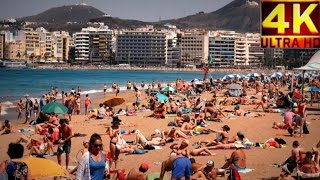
{"x":113,"y":101}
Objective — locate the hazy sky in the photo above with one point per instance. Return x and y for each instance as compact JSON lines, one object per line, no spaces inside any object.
{"x":146,"y":10}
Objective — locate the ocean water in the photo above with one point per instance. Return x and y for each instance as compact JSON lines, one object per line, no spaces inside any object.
{"x":15,"y":83}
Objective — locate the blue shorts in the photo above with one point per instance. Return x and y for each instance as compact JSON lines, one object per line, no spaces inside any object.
{"x":181,"y":168}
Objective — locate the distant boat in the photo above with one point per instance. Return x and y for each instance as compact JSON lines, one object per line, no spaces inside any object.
{"x":13,"y":64}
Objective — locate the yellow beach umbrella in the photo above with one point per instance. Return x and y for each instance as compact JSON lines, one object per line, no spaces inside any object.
{"x":40,"y":167}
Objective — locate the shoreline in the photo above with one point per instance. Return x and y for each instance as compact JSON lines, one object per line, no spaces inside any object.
{"x":93,"y":67}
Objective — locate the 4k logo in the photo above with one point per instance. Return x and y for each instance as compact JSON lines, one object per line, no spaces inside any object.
{"x":290,"y":24}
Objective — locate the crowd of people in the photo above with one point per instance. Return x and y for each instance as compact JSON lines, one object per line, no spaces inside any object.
{"x":191,"y":117}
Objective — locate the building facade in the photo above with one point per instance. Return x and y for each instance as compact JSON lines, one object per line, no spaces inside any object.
{"x":15,"y":50}
{"x":93,"y":45}
{"x":31,"y":41}
{"x":194,"y":47}
{"x":2,"y":45}
{"x":142,"y":47}
{"x":222,"y":48}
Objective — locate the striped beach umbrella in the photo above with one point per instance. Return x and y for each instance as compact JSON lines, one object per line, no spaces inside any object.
{"x":276,"y":75}
{"x":253,"y":75}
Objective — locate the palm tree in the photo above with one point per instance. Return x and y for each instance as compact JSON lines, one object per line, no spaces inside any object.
{"x":31,"y":57}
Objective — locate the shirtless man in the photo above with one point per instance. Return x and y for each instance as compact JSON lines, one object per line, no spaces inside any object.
{"x":138,"y":98}
{"x":138,"y":173}
{"x":222,"y":137}
{"x":265,"y":106}
{"x":65,"y":134}
{"x":172,"y":164}
{"x":186,"y":104}
{"x":19,"y":109}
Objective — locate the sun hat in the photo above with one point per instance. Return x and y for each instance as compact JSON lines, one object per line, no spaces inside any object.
{"x":238,"y":144}
{"x":210,"y":163}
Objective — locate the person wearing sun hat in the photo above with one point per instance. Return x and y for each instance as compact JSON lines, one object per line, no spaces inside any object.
{"x":138,"y":173}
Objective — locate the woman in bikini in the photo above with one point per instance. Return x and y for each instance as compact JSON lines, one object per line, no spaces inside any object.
{"x":87,"y":103}
{"x":113,"y":132}
{"x":19,"y":109}
{"x":237,"y":159}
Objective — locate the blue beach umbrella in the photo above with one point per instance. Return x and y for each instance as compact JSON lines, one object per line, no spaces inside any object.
{"x":162,"y":97}
{"x":276,"y":75}
{"x":253,"y":75}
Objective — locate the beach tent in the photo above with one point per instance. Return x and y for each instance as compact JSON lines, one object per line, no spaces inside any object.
{"x":312,"y":65}
{"x":234,"y":89}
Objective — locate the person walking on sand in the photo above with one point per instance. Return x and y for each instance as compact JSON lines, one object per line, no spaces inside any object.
{"x":65,"y":135}
{"x":19,"y":109}
{"x":138,"y":98}
{"x":104,"y":89}
{"x":87,"y":103}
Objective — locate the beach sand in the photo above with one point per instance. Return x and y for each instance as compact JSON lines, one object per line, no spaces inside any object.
{"x":255,"y":129}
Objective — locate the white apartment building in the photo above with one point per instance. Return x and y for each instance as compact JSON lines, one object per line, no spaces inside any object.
{"x":31,"y":39}
{"x":222,"y":48}
{"x":46,"y":37}
{"x":247,"y":50}
{"x":256,"y":53}
{"x":143,"y":47}
{"x":173,"y":50}
{"x":194,"y":47}
{"x":93,"y":44}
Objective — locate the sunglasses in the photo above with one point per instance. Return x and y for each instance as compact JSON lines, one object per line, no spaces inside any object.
{"x":98,"y":145}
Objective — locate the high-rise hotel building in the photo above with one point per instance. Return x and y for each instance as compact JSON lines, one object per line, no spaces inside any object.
{"x":93,"y":44}
{"x":142,"y":46}
{"x":222,"y":48}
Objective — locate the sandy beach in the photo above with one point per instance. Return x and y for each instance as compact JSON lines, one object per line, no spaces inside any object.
{"x":257,"y":129}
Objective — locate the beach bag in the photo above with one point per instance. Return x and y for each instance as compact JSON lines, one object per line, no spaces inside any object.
{"x":149,"y":147}
{"x":120,"y":143}
{"x":234,"y":174}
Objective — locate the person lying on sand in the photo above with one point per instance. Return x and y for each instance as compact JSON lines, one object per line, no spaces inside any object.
{"x":141,"y":140}
{"x":240,"y":112}
{"x":178,"y":120}
{"x":215,"y":114}
{"x":222,"y":137}
{"x":287,"y":121}
{"x":265,"y":106}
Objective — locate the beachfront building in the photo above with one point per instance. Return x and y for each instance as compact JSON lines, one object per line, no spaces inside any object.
{"x":256,"y":53}
{"x":46,"y":37}
{"x":60,"y":46}
{"x":93,"y":45}
{"x":222,"y":48}
{"x":15,"y":50}
{"x":193,"y":47}
{"x":248,"y":51}
{"x":272,"y":55}
{"x":31,"y":41}
{"x":142,"y":47}
{"x":173,"y":50}
{"x":2,"y":45}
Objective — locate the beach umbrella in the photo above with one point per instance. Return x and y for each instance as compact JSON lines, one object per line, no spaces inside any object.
{"x":312,"y":89}
{"x":227,"y":77}
{"x":168,"y":88}
{"x":113,"y":101}
{"x":40,"y":167}
{"x":276,"y":75}
{"x":196,"y":81}
{"x":300,"y":75}
{"x":162,"y":97}
{"x":253,"y":75}
{"x":234,"y":86}
{"x":54,"y":107}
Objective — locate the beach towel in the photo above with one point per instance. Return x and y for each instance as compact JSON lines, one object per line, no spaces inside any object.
{"x":22,"y":130}
{"x":157,"y":147}
{"x":155,"y":176}
{"x":146,"y":110}
{"x":244,"y":171}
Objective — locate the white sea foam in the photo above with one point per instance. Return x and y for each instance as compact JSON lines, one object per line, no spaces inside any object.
{"x":92,"y":91}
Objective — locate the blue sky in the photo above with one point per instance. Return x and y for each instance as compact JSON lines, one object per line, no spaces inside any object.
{"x":146,"y":10}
